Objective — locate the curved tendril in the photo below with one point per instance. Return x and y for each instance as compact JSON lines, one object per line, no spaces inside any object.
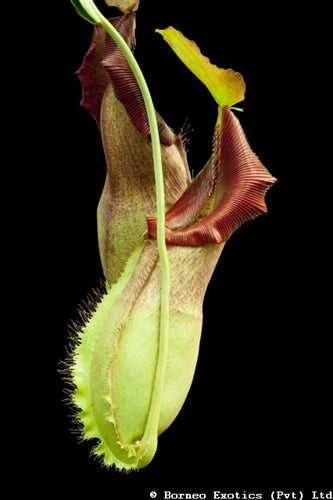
{"x":88,"y":10}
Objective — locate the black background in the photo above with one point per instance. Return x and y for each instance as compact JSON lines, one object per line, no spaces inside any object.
{"x":258,"y":416}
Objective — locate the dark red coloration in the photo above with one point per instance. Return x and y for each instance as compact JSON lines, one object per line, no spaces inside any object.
{"x":104,"y":63}
{"x":94,"y":73}
{"x":229,"y":191}
{"x":122,"y":77}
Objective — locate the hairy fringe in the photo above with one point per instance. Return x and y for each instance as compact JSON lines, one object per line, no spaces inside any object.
{"x":184,"y":134}
{"x":84,"y":310}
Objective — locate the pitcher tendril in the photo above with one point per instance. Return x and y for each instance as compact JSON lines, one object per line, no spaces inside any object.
{"x":90,"y":8}
{"x":160,"y":236}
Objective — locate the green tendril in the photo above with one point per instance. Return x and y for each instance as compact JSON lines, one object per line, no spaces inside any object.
{"x":88,"y":10}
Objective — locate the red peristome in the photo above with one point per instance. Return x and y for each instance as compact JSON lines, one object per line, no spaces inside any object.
{"x":103,"y":53}
{"x":125,"y":84}
{"x":121,"y":76}
{"x":104,"y":63}
{"x":234,"y":181}
{"x":93,"y":76}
